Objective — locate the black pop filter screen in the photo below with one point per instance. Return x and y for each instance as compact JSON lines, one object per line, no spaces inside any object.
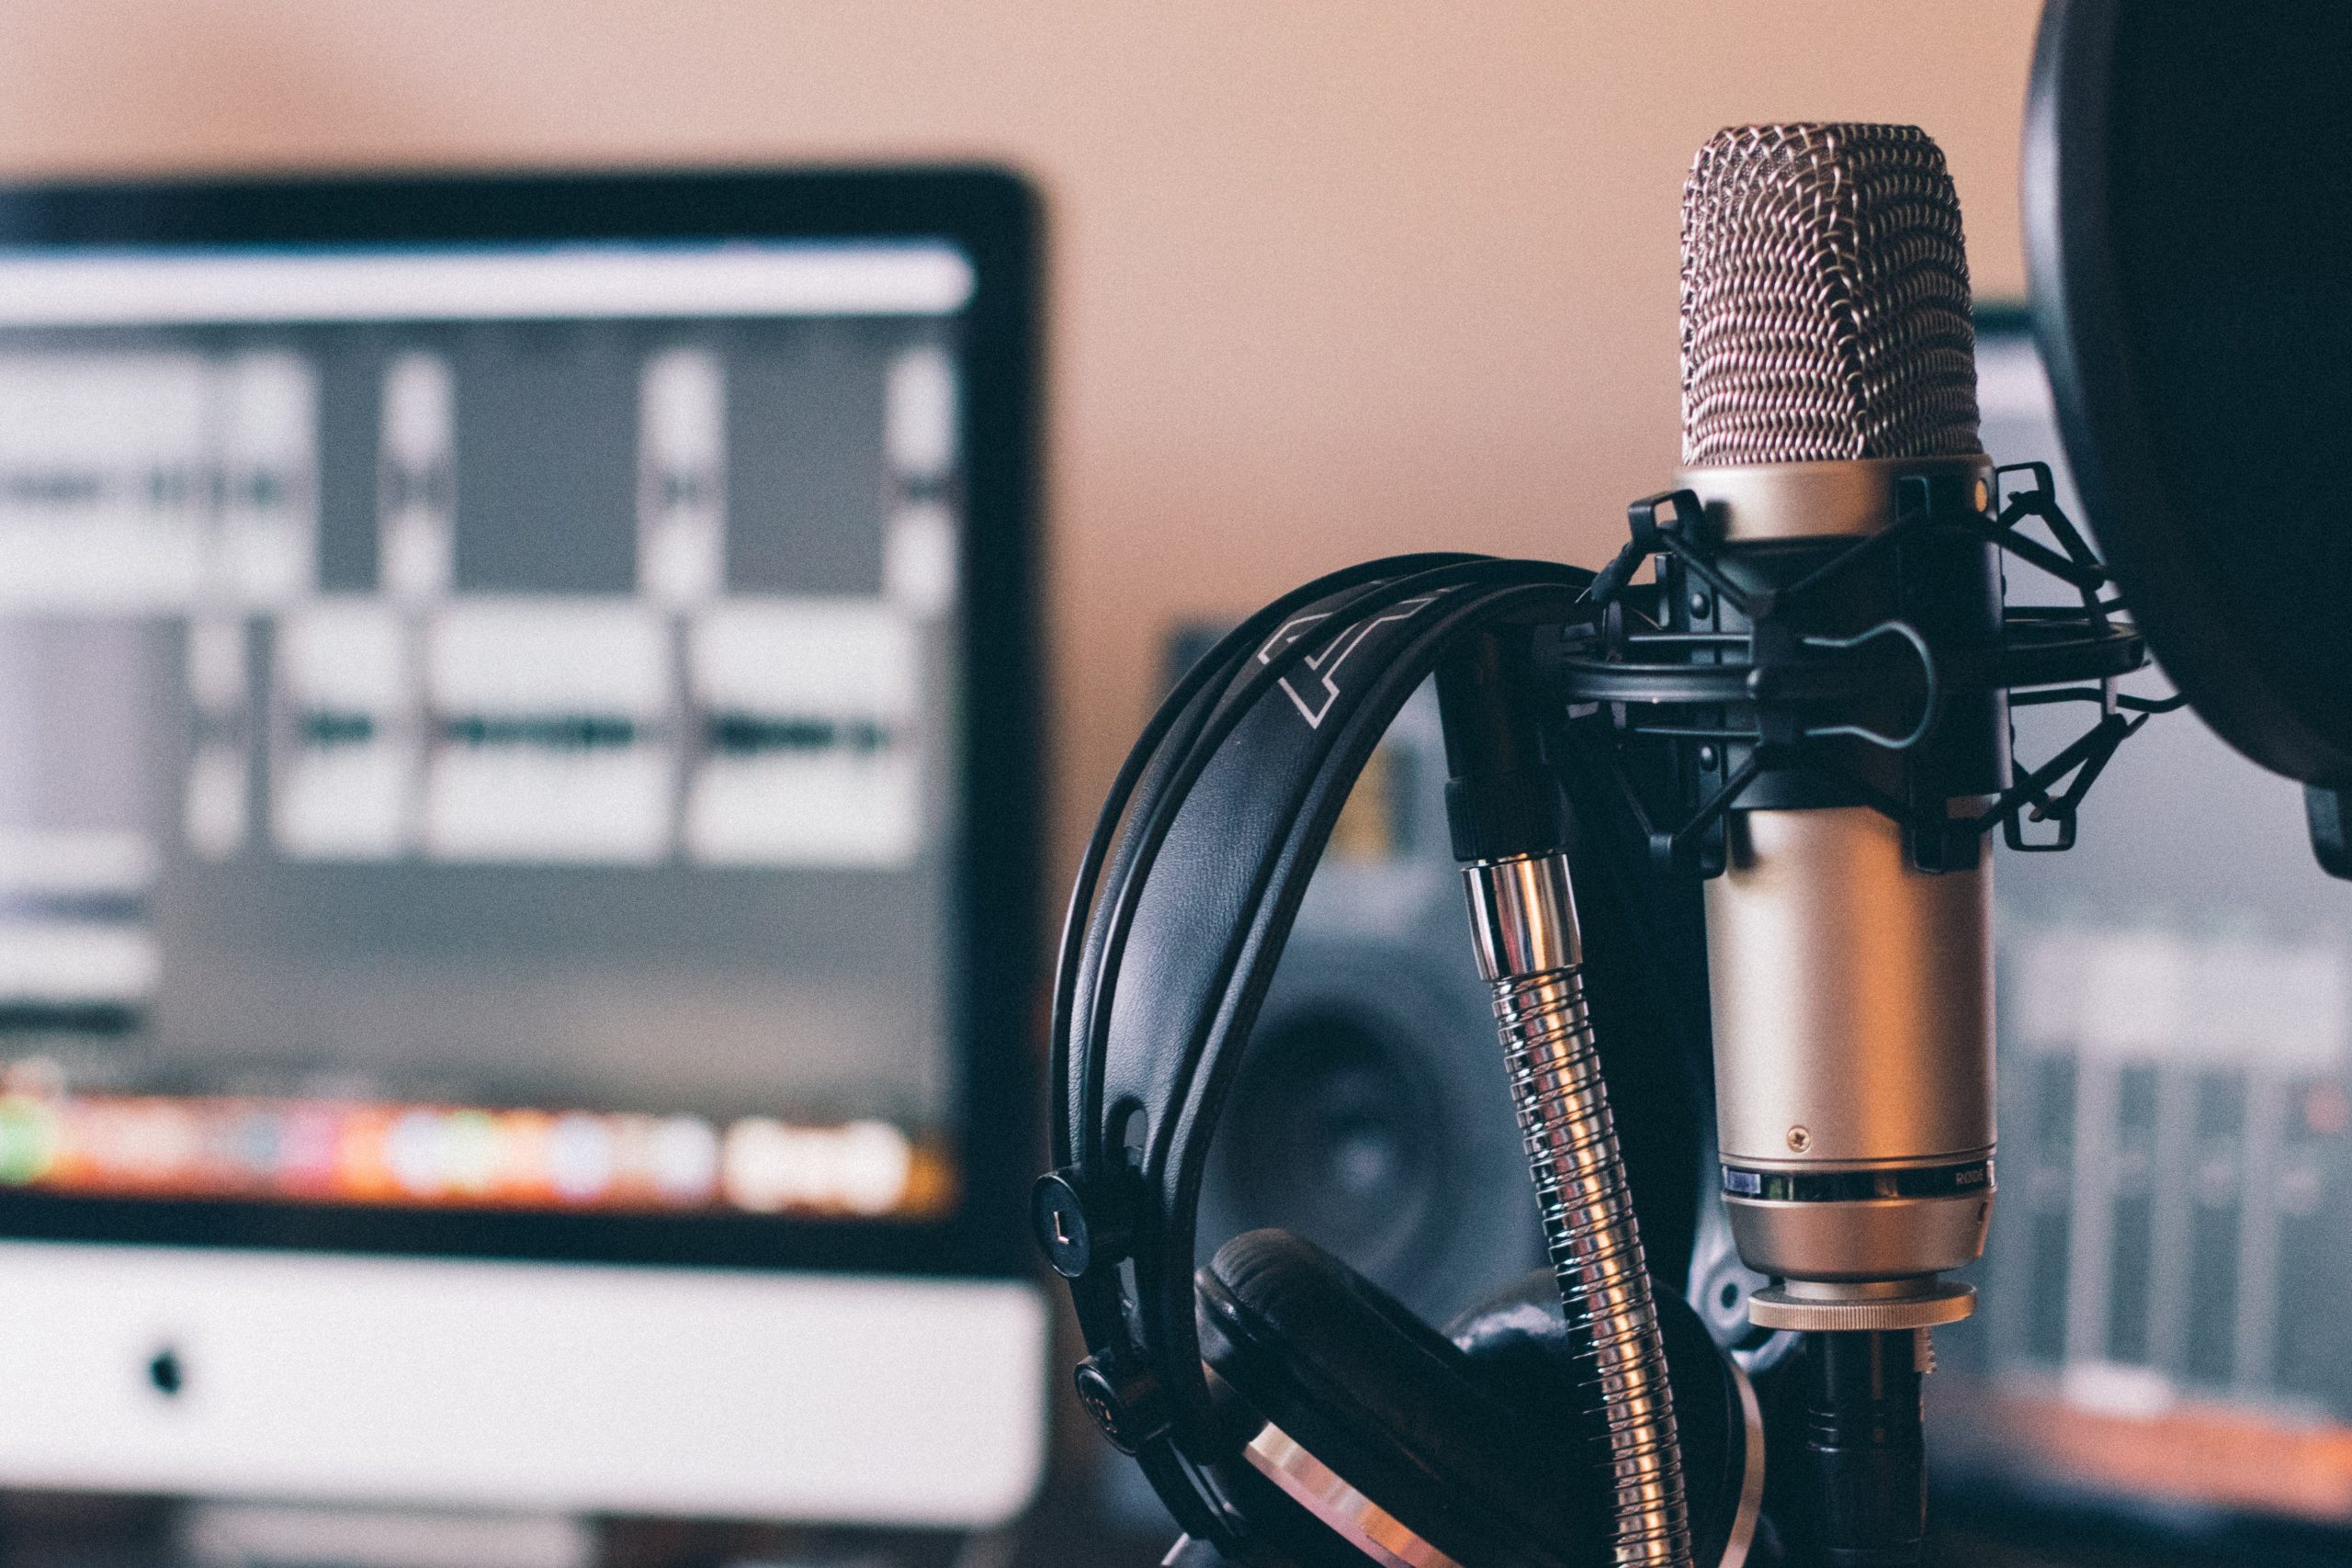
{"x":2188,"y":174}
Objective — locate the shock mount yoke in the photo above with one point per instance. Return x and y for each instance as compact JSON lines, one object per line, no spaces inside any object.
{"x":1844,"y":671}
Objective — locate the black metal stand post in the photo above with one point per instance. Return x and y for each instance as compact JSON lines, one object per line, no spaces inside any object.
{"x":1866,"y":1448}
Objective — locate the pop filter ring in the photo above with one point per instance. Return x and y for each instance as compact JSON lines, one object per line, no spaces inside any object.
{"x":2107,"y":407}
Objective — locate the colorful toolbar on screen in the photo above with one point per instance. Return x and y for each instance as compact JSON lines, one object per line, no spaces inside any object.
{"x":456,"y":1156}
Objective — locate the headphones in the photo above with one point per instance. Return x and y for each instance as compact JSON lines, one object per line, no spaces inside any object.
{"x":1289,"y":1413}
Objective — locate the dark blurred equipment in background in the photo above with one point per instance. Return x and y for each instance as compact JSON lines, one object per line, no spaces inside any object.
{"x":2188,"y":219}
{"x":2157,"y":1335}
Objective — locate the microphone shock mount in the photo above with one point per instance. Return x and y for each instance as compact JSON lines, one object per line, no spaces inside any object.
{"x":1810,"y":671}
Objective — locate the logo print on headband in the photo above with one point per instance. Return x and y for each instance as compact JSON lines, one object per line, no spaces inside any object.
{"x":1326,"y":664}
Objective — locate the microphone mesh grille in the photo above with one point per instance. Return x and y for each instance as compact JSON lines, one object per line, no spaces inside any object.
{"x":1824,"y":299}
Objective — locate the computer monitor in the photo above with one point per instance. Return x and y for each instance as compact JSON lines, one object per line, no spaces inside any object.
{"x":2162,"y":1317}
{"x":518,"y":831}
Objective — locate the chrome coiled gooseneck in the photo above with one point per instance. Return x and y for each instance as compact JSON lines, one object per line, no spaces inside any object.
{"x":1529,"y":950}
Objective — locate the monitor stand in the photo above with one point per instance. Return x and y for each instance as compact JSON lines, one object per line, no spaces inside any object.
{"x":274,"y":1535}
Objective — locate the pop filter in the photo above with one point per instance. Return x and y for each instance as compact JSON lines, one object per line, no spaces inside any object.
{"x":2187,"y":201}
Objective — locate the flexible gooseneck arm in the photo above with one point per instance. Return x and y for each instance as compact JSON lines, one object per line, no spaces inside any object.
{"x":1530,"y":954}
{"x":1504,"y":801}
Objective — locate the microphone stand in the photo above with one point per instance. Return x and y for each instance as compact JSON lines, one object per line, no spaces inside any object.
{"x":1866,"y":1445}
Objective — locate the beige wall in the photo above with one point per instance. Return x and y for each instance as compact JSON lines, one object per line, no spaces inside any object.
{"x":1331,"y":280}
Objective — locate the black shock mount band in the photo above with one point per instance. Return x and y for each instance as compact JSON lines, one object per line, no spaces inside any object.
{"x":1876,"y":670}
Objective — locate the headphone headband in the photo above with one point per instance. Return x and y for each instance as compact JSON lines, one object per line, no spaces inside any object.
{"x":1212,"y":834}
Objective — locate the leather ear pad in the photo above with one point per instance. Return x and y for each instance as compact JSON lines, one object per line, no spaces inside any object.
{"x":1516,"y":1342}
{"x":1395,"y":1408}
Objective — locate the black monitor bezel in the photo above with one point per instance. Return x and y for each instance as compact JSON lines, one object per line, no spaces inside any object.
{"x":993,"y":217}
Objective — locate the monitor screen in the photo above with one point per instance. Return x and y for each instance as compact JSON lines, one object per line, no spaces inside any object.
{"x":481,"y":730}
{"x":519,"y":838}
{"x":2160,"y":1316}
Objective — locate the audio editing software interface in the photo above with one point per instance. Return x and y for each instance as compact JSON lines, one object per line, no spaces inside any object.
{"x":478,"y":727}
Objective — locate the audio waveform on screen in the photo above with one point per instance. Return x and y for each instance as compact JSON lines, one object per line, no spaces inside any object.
{"x":551,"y":732}
{"x":686,"y":718}
{"x":753,"y":735}
{"x":728,"y":734}
{"x":148,"y":482}
{"x":774,"y":731}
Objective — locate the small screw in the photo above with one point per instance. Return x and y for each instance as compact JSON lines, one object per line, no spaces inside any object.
{"x":1800,"y":1140}
{"x":1707,"y":758}
{"x":1701,"y":604}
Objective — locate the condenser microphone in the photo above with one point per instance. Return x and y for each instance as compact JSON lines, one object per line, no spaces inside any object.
{"x":1828,"y":357}
{"x":1829,"y":385}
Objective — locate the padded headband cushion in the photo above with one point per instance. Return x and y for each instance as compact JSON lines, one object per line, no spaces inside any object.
{"x":1393,"y":1406}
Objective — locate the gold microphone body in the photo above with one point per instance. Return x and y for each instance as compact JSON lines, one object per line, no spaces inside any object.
{"x":1852,"y":999}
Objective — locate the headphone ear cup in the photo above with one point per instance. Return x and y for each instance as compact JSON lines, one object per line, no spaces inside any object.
{"x":1369,"y":1406}
{"x":1517,"y":1344}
